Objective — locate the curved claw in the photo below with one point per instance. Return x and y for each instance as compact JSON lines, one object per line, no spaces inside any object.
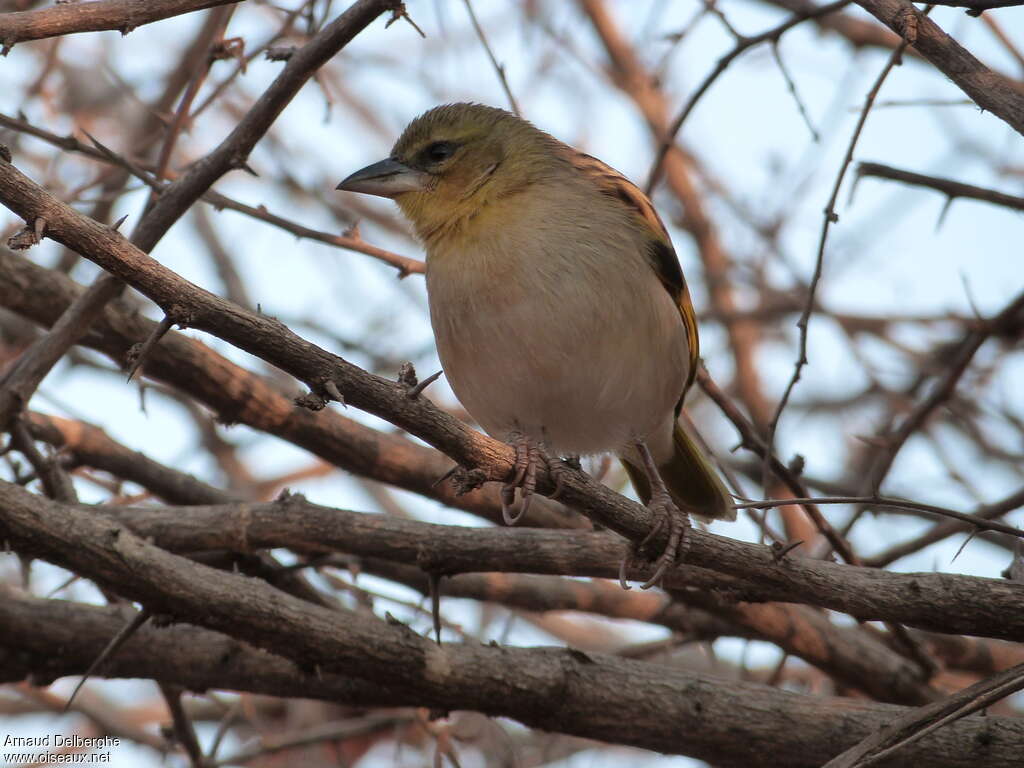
{"x":622,"y":571}
{"x":528,"y":456}
{"x":658,"y":573}
{"x":671,"y":550}
{"x":508,"y":500}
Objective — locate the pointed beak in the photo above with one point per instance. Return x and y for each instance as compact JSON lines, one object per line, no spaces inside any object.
{"x":386,"y":179}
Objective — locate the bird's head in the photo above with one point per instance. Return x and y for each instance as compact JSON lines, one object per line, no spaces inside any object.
{"x":453,"y":161}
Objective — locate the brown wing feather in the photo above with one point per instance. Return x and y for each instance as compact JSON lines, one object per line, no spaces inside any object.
{"x":660,"y":254}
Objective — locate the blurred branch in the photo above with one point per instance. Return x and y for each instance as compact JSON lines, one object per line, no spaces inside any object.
{"x":976,"y":7}
{"x":743,"y":43}
{"x":232,"y":153}
{"x":69,"y":18}
{"x":752,"y":440}
{"x":1009,"y":321}
{"x":498,"y":68}
{"x":951,"y":189}
{"x":90,"y":445}
{"x":350,"y":240}
{"x":177,"y":197}
{"x":17,"y":387}
{"x":105,"y":717}
{"x":859,"y":32}
{"x":234,"y":285}
{"x":829,"y":217}
{"x":1003,"y":38}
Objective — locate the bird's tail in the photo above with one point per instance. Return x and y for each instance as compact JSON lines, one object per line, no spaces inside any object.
{"x":692,"y":481}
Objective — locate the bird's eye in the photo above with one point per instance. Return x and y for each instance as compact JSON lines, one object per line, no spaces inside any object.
{"x":439,"y":150}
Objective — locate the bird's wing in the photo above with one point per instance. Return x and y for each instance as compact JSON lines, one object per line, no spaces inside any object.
{"x":660,"y":254}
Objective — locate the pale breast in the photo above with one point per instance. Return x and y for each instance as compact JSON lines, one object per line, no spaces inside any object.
{"x":548,"y":325}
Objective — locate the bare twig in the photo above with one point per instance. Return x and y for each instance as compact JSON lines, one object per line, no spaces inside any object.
{"x":830,"y":217}
{"x":951,"y":189}
{"x":773,"y":36}
{"x":1010,"y":319}
{"x":944,"y":530}
{"x":920,"y":722}
{"x":890,"y":503}
{"x":499,"y":69}
{"x":350,"y":240}
{"x":17,"y":386}
{"x":129,"y":629}
{"x":158,"y":333}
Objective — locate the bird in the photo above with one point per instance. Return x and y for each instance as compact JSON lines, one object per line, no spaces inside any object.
{"x":561,"y":315}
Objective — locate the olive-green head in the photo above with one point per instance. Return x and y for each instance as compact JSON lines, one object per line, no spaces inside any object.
{"x":454,"y":160}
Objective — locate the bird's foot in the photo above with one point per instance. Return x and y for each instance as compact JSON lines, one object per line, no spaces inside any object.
{"x":524,"y":477}
{"x":678,"y":540}
{"x":665,"y":513}
{"x":560,"y":469}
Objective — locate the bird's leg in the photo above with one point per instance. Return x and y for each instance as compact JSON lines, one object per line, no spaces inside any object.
{"x":524,"y":477}
{"x":665,"y":511}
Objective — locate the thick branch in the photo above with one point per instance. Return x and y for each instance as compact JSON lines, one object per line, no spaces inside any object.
{"x":933,"y":601}
{"x":562,"y":690}
{"x":851,"y":655}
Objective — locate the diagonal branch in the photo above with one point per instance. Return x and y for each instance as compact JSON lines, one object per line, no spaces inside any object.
{"x":989,"y":90}
{"x":919,"y":723}
{"x":236,"y":395}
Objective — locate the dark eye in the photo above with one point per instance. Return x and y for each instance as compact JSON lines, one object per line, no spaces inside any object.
{"x":439,"y":150}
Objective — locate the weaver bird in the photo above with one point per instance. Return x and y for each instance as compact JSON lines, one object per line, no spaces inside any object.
{"x":561,"y":315}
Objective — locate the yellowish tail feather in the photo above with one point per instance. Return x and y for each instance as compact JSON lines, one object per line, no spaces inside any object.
{"x":692,"y":481}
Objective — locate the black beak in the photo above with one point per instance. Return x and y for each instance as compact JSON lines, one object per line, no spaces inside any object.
{"x":386,"y":179}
